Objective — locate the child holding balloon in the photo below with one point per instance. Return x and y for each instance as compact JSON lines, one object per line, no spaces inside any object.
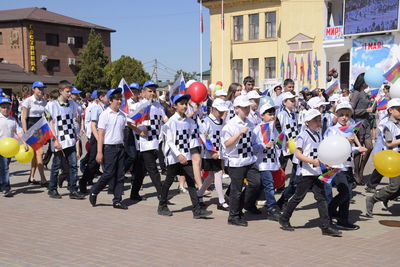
{"x":8,"y":128}
{"x":391,"y":138}
{"x":309,"y":169}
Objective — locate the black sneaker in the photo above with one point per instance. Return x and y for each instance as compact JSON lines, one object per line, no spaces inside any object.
{"x":93,"y":199}
{"x":76,"y":195}
{"x":54,"y":194}
{"x":223,"y":206}
{"x":254,"y":210}
{"x":347,"y":226}
{"x":164,"y":211}
{"x":138,"y":198}
{"x":331,"y":232}
{"x":237,"y":221}
{"x":119,"y":205}
{"x":285,"y":225}
{"x":199,"y":214}
{"x":273,"y":214}
{"x":7,"y":193}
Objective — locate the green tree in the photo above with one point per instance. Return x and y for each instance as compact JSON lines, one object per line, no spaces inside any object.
{"x":91,"y":64}
{"x":125,"y":67}
{"x":186,"y":75}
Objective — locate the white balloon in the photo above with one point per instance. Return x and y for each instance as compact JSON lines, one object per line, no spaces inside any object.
{"x":334,"y":150}
{"x":211,"y":87}
{"x":395,"y":90}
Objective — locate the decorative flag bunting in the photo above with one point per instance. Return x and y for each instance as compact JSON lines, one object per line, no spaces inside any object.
{"x":265,"y":132}
{"x":315,"y":67}
{"x":382,"y":103}
{"x":309,"y":67}
{"x":142,"y":116}
{"x":333,"y":88}
{"x":302,"y":68}
{"x":206,"y":141}
{"x":126,"y":94}
{"x":282,"y":68}
{"x":373,"y":93}
{"x":393,"y":74}
{"x":38,"y":134}
{"x":351,"y":127}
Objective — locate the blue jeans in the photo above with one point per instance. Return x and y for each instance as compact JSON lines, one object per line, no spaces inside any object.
{"x":269,"y":191}
{"x":5,"y":174}
{"x":328,"y":192}
{"x":70,"y":155}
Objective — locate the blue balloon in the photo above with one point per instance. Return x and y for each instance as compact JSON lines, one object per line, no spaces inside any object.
{"x":374,"y":77}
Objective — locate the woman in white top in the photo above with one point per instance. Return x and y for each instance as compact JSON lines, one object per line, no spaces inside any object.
{"x":33,"y":109}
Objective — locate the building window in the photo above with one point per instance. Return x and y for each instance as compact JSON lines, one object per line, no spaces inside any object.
{"x":253,"y":27}
{"x":1,"y":38}
{"x":78,"y":42}
{"x":237,"y":71}
{"x":270,"y":25}
{"x":270,"y":71}
{"x":238,"y":28}
{"x":253,"y":69}
{"x":53,"y":65}
{"x":52,"y":39}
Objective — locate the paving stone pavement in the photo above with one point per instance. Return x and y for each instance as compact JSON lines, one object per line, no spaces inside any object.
{"x":39,"y":231}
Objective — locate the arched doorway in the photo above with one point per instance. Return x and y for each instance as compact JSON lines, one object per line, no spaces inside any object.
{"x":344,"y":71}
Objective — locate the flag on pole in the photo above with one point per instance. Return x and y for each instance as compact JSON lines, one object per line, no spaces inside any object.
{"x":301,"y":68}
{"x":309,"y":67}
{"x":315,"y":67}
{"x":295,"y":68}
{"x":126,"y":94}
{"x":265,"y":132}
{"x":373,"y":93}
{"x":333,"y":88}
{"x":282,"y":68}
{"x":142,"y":116}
{"x":351,"y":127}
{"x":289,"y":69}
{"x":382,"y":104}
{"x":38,"y":134}
{"x":393,"y":74}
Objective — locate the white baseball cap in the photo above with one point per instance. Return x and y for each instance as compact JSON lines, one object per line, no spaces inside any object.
{"x":287,"y":95}
{"x":241,"y":101}
{"x":344,"y":105}
{"x":311,"y":114}
{"x":334,"y":98}
{"x":395,"y":102}
{"x":221,"y":92}
{"x":220,"y":105}
{"x":266,"y":107}
{"x":253,"y":95}
{"x":316,"y":102}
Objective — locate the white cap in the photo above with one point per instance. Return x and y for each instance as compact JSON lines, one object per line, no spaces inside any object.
{"x":334,"y":98}
{"x":395,"y":102}
{"x":266,"y":107}
{"x":221,"y":92}
{"x":311,"y":114}
{"x":253,"y":95}
{"x":220,"y":105}
{"x":316,"y":102}
{"x":241,"y":101}
{"x":344,"y":105}
{"x":287,"y":95}
{"x":189,"y":83}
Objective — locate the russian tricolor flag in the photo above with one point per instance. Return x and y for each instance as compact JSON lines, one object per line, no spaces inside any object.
{"x":206,"y":141}
{"x":382,"y":104}
{"x":126,"y":94}
{"x":142,"y":116}
{"x":38,"y":134}
{"x":373,"y":93}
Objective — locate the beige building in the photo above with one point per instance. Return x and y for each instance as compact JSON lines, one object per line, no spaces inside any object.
{"x":258,"y":34}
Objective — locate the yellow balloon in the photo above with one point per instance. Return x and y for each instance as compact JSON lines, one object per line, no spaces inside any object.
{"x":9,"y":147}
{"x":291,"y":145}
{"x":387,"y":163}
{"x":24,"y":156}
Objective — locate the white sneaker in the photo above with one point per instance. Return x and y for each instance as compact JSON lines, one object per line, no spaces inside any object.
{"x":225,"y":176}
{"x":385,"y":205}
{"x":261,"y":203}
{"x":183,"y":190}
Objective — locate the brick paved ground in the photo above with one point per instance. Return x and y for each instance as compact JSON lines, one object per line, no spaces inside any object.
{"x":39,"y":231}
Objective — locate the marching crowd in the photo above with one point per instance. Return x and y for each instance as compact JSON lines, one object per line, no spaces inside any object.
{"x":236,"y":134}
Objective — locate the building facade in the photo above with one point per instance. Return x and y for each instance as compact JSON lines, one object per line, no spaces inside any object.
{"x":267,"y":40}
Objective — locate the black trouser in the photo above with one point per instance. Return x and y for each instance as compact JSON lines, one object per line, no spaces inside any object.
{"x":342,"y":199}
{"x":114,"y":168}
{"x":92,"y":166}
{"x":305,"y":183}
{"x":147,"y":159}
{"x":291,"y":188}
{"x":161,"y":158}
{"x":179,"y":169}
{"x":374,"y":179}
{"x":47,"y":155}
{"x":236,"y":201}
{"x":131,"y":153}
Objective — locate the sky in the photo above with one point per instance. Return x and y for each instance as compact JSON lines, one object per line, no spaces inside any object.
{"x":166,"y":30}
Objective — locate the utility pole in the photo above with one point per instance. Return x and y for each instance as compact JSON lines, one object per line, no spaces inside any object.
{"x":154,"y":74}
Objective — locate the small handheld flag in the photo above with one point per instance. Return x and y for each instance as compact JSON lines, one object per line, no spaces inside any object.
{"x":281,"y":140}
{"x":265,"y":92}
{"x":351,"y":127}
{"x":382,"y":104}
{"x":38,"y":134}
{"x":327,"y":175}
{"x":373,"y":93}
{"x":126,"y":94}
{"x":334,"y":87}
{"x":265,"y":132}
{"x":206,"y":141}
{"x":393,"y":74}
{"x":140,"y":117}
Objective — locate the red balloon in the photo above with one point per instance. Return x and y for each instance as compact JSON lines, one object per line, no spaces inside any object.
{"x":197,"y":92}
{"x":279,"y":177}
{"x":218,"y":83}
